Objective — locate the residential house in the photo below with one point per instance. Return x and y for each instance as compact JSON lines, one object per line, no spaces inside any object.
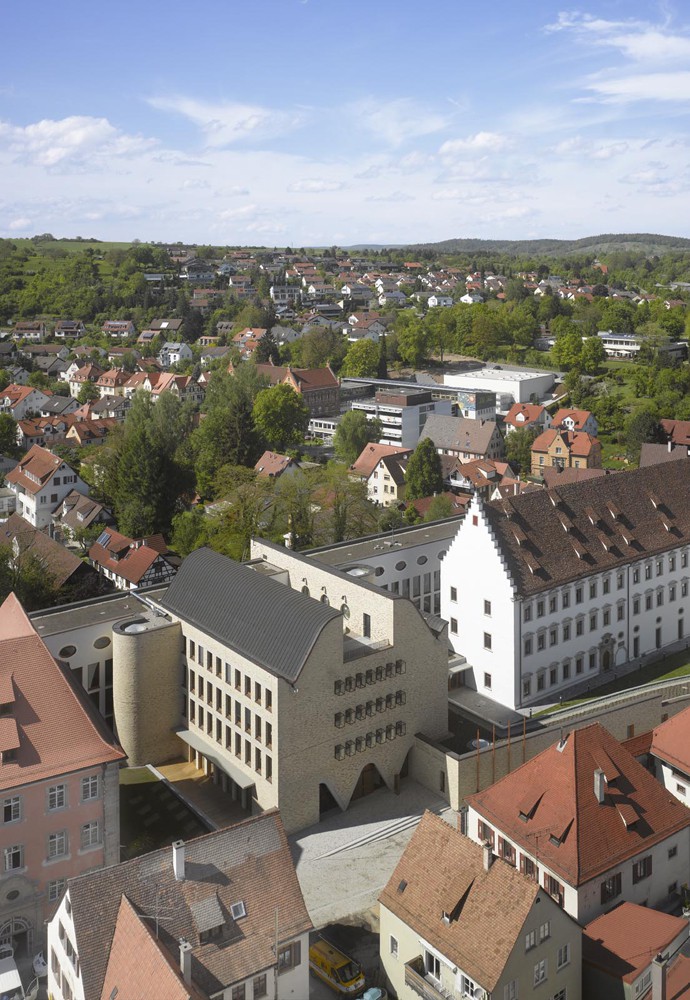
{"x":34,"y":351}
{"x":561,"y":449}
{"x":234,"y":923}
{"x":215,"y":352}
{"x":670,"y":751}
{"x":442,"y":301}
{"x":531,"y":416}
{"x":464,"y":438}
{"x":569,"y":582}
{"x":59,"y":783}
{"x":78,"y":512}
{"x":198,"y":271}
{"x":481,"y":476}
{"x":285,"y":295}
{"x":58,"y":406}
{"x":163,"y":328}
{"x":403,"y":413}
{"x":577,"y":420}
{"x":361,"y":327}
{"x":677,"y":432}
{"x":111,"y":383}
{"x":109,"y":407}
{"x":22,"y":401}
{"x":119,"y":329}
{"x":69,"y":329}
{"x":655,"y":454}
{"x":386,"y":484}
{"x":17,"y":374}
{"x":633,"y":951}
{"x":588,"y":822}
{"x":45,"y":431}
{"x":72,"y":577}
{"x":88,"y":373}
{"x":89,"y":432}
{"x":318,"y":387}
{"x":455,"y":922}
{"x":173,"y":352}
{"x":370,"y":457}
{"x":272,"y":466}
{"x":33,"y":331}
{"x":41,"y":481}
{"x":240,"y":286}
{"x":50,"y":366}
{"x":457,"y":505}
{"x":131,"y":562}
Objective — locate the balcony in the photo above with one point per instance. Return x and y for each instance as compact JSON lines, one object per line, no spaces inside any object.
{"x":421,"y":984}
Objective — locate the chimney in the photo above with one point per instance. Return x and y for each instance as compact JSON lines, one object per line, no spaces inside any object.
{"x":178,"y":860}
{"x":599,"y":789}
{"x":186,"y":960}
{"x":488,"y":855}
{"x":659,"y":978}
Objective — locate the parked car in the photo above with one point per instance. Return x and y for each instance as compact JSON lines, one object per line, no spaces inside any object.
{"x":337,"y":969}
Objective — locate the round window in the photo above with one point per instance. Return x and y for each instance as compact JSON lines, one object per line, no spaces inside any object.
{"x":13,"y":894}
{"x":379,"y":571}
{"x":400,"y":565}
{"x":421,"y":560}
{"x":102,"y":642}
{"x":67,"y":651}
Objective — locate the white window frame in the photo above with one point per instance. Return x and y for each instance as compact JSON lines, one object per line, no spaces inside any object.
{"x":563,"y":958}
{"x":90,"y":834}
{"x":57,"y":797}
{"x":14,"y":804}
{"x":8,"y":853}
{"x":57,"y":844}
{"x":90,"y":788}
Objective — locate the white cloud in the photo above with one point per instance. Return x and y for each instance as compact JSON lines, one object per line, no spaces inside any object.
{"x":396,"y":122}
{"x":393,"y":197}
{"x":482,"y":142}
{"x":315,"y":186}
{"x":673,"y":86}
{"x":638,"y":40}
{"x":230,"y":122}
{"x":74,"y":141}
{"x":23,"y":222}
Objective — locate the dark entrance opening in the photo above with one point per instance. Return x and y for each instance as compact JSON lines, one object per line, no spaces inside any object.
{"x":368,"y":781}
{"x":326,"y":801}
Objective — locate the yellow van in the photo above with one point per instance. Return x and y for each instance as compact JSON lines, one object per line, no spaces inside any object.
{"x":341,"y":972}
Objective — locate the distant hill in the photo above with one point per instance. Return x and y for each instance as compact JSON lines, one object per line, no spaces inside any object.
{"x":650,"y":244}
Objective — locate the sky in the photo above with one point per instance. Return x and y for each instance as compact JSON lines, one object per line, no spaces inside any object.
{"x":317,"y":122}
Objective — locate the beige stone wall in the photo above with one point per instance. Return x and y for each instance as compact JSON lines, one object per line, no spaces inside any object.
{"x":147,"y":676}
{"x":111,"y":814}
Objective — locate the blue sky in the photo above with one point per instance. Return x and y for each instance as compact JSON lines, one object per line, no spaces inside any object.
{"x":311,"y":122}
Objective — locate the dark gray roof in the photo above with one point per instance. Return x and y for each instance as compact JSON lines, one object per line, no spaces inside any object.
{"x":264,"y":620}
{"x":459,"y":433}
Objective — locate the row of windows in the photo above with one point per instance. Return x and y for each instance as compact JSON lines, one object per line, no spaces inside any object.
{"x":550,"y":636}
{"x":215,"y":696}
{"x":260,"y":730}
{"x":650,"y":569}
{"x":56,"y":798}
{"x":243,"y":683}
{"x":371,"y":676}
{"x":351,"y":747}
{"x":57,"y":846}
{"x":381,"y":704}
{"x":568,"y":669}
{"x":254,"y":757}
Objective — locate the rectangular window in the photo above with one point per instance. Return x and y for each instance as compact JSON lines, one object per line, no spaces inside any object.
{"x":485,"y":833}
{"x":487,"y":640}
{"x":200,"y":655}
{"x":260,"y":987}
{"x":580,"y":626}
{"x":510,"y":990}
{"x":12,"y":809}
{"x":592,"y":622}
{"x":55,"y":889}
{"x":487,"y":681}
{"x":257,"y":692}
{"x":269,"y":768}
{"x":620,"y":580}
{"x":541,"y":681}
{"x":566,"y":632}
{"x":672,"y":592}
{"x":454,"y":595}
{"x":540,"y":609}
{"x":620,"y":612}
{"x":530,"y":940}
{"x":454,"y":626}
{"x":659,"y":567}
{"x":648,"y":572}
{"x":528,"y":646}
{"x":563,"y":956}
{"x":541,"y":641}
{"x":90,"y":834}
{"x":606,"y":585}
{"x":289,"y":957}
{"x":89,"y":787}
{"x":192,"y":649}
{"x":592,"y":661}
{"x":659,"y":598}
{"x":579,"y":665}
{"x":611,"y":887}
{"x":648,"y":602}
{"x":545,"y":931}
{"x":527,"y":613}
{"x":592,"y":591}
{"x":13,"y":858}
{"x":553,"y":636}
{"x":553,"y":605}
{"x":366,"y":626}
{"x":239,"y":992}
{"x":553,"y":676}
{"x":606,"y":618}
{"x":642,"y":869}
{"x":578,"y":595}
{"x":565,"y":598}
{"x":238,"y":680}
{"x":394,"y":946}
{"x":57,"y":797}
{"x":487,"y":608}
{"x":57,"y":844}
{"x":566,"y":670}
{"x":540,"y":971}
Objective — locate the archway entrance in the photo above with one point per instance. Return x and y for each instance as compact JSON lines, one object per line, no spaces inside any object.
{"x":327,"y":802}
{"x":18,"y":932}
{"x":606,"y":660}
{"x":368,"y":781}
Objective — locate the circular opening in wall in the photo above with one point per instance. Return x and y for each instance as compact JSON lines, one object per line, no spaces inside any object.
{"x":133,"y":627}
{"x":67,"y":651}
{"x":13,"y":894}
{"x":379,"y":571}
{"x":102,"y":642}
{"x":400,"y":565}
{"x":421,"y":560}
{"x":658,"y":621}
{"x":636,"y":629}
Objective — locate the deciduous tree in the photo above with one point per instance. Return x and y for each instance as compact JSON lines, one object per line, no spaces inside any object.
{"x":423,"y":476}
{"x":281,"y":416}
{"x":353,"y":433}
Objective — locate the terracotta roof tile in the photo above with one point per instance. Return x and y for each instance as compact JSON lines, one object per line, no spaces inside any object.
{"x":600,"y":835}
{"x":371,"y":456}
{"x":671,"y":741}
{"x":34,"y":469}
{"x":624,"y":941}
{"x":57,"y":560}
{"x":442,"y":870}
{"x":58,"y":730}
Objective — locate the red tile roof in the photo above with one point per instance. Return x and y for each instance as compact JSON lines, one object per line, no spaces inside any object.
{"x":371,"y":456}
{"x":579,"y":417}
{"x":637,"y":811}
{"x":443,"y":871}
{"x":58,"y":730}
{"x":128,"y":558}
{"x":624,"y":941}
{"x":671,"y":741}
{"x":34,"y":469}
{"x":271,"y":464}
{"x":577,"y":442}
{"x":677,"y":430}
{"x":523,"y":414}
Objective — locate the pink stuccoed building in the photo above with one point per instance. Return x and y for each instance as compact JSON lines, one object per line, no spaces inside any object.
{"x":59,"y":790}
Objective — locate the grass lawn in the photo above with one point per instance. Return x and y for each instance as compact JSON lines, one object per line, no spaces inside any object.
{"x":675,"y":665}
{"x":152,"y":816}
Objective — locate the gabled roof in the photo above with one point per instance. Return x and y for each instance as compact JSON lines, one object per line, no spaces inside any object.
{"x":80,"y":511}
{"x":272,"y":465}
{"x":308,"y":379}
{"x":395,"y":466}
{"x":443,"y":871}
{"x":227,"y":600}
{"x":625,"y":941}
{"x":372,"y":454}
{"x":249,"y":862}
{"x":58,"y":730}
{"x":591,"y":837}
{"x":671,"y":741}
{"x":58,"y":561}
{"x":613,"y":519}
{"x":678,"y":431}
{"x":523,"y":414}
{"x":34,"y":469}
{"x":576,"y":442}
{"x":656,"y":454}
{"x":459,"y":433}
{"x":579,"y":418}
{"x":128,"y":558}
